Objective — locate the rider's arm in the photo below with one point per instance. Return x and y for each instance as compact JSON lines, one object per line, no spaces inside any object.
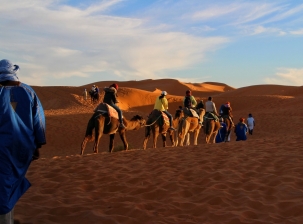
{"x":193,"y":101}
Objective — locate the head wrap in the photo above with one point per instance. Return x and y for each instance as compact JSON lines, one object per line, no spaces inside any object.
{"x":8,"y":71}
{"x":114,"y":85}
{"x":188,"y":92}
{"x":164,"y":93}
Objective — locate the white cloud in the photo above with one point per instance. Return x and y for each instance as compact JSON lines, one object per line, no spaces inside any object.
{"x":297,"y":32}
{"x":255,"y":30}
{"x":50,"y":40}
{"x":287,"y":76}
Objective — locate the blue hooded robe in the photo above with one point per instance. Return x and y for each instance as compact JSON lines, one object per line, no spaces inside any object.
{"x":221,"y":133}
{"x":22,"y":130}
{"x":241,"y":130}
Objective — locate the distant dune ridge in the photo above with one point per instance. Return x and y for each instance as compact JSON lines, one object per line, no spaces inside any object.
{"x":257,"y":181}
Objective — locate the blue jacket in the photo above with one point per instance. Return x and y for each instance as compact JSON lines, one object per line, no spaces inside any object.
{"x":22,"y":130}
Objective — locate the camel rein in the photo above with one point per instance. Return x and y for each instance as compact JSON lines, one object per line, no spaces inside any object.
{"x":153,"y":122}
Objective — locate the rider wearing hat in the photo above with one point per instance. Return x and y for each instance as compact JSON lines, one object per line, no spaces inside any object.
{"x":161,"y":104}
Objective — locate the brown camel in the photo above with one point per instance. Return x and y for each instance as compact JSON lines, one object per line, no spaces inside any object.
{"x":103,"y":124}
{"x":211,"y":128}
{"x":228,"y":127}
{"x":158,"y":123}
{"x":188,"y":125}
{"x":176,"y":121}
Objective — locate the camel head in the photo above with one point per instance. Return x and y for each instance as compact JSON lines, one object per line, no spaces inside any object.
{"x":140,"y":119}
{"x":179,"y":113}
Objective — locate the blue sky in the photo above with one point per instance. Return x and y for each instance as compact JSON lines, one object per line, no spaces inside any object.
{"x":73,"y":43}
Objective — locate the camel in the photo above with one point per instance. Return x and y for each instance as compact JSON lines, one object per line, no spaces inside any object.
{"x":158,"y":123}
{"x":228,"y":126}
{"x":190,"y":124}
{"x":94,"y":96}
{"x":102,"y":123}
{"x":211,"y":128}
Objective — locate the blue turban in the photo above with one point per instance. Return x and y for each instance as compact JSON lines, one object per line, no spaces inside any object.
{"x":8,"y":71}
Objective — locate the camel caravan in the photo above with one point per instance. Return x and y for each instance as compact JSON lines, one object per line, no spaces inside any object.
{"x":189,"y":118}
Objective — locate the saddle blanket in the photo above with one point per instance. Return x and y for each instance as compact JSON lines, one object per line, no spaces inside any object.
{"x":104,"y":107}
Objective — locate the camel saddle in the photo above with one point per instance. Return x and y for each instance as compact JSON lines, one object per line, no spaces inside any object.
{"x":107,"y":110}
{"x":210,"y":116}
{"x":191,"y":112}
{"x":155,"y":115}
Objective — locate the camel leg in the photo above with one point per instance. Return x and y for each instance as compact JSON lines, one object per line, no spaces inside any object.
{"x":226,"y":136}
{"x":111,"y":142}
{"x":83,"y":145}
{"x":89,"y":134}
{"x":99,"y":125}
{"x":182,"y":138}
{"x":123,"y":138}
{"x":172,"y":139}
{"x":176,"y":138}
{"x":215,"y":135}
{"x":147,"y":136}
{"x":196,"y":134}
{"x":155,"y":137}
{"x":164,"y":140}
{"x":187,"y":139}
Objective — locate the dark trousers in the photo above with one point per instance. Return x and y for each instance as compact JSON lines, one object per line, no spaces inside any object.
{"x":170,"y":117}
{"x":250,"y":131}
{"x":118,"y":110}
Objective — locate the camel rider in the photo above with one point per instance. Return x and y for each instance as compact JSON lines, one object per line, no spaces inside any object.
{"x":110,"y":97}
{"x":189,"y":100}
{"x":226,"y":112}
{"x":210,"y":108}
{"x":191,"y":103}
{"x":161,"y":104}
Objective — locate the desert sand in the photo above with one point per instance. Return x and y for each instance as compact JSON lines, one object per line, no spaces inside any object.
{"x":256,"y":181}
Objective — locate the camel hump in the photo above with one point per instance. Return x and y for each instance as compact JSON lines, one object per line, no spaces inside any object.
{"x":105,"y":108}
{"x":160,"y":116}
{"x":194,"y":113}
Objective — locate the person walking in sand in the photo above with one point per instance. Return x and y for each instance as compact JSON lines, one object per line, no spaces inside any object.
{"x":241,"y":130}
{"x":22,"y":133}
{"x":222,"y":132}
{"x":161,"y":104}
{"x":250,"y":124}
{"x":85,"y":94}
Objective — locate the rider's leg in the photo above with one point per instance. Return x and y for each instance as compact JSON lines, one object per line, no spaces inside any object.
{"x":119,"y":114}
{"x":170,"y":119}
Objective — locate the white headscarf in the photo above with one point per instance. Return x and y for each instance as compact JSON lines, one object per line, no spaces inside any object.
{"x":8,"y":71}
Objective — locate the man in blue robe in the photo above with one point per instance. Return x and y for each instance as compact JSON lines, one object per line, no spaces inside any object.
{"x":222,"y":132}
{"x":22,"y":133}
{"x":241,"y":130}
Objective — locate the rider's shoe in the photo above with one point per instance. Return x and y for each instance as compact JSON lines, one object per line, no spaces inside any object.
{"x":122,"y":126}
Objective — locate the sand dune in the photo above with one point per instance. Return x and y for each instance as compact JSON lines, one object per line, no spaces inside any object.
{"x":257,"y":181}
